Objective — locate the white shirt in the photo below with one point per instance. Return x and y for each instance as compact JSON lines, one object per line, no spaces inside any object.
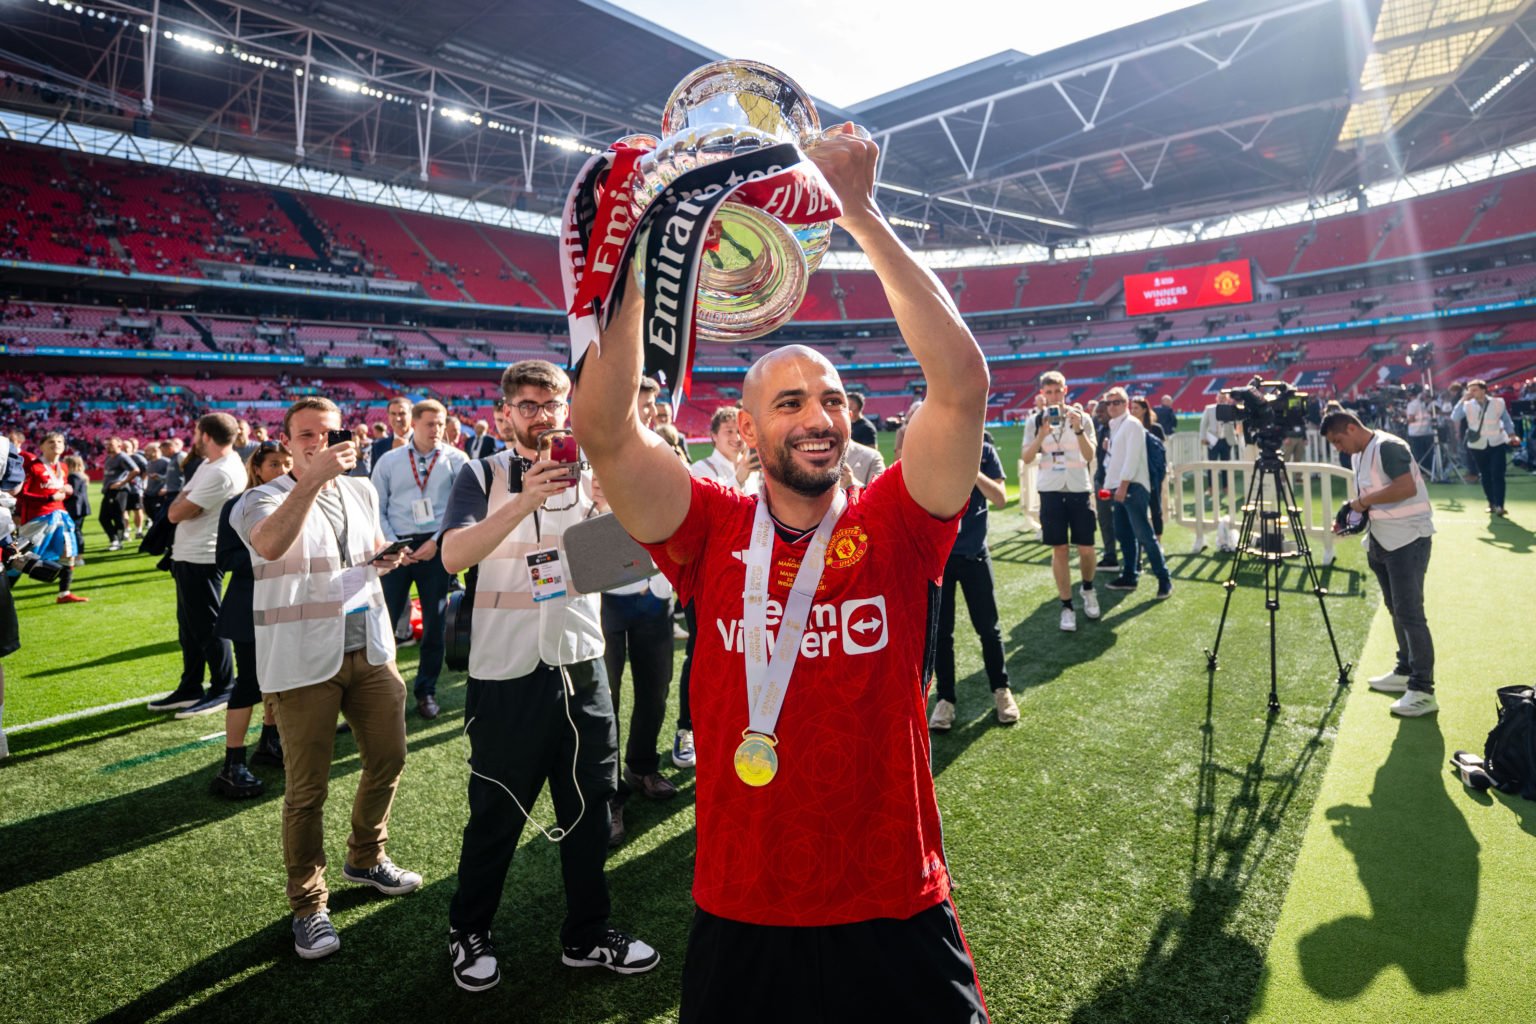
{"x":1419,"y":424}
{"x":1061,"y":463}
{"x":720,"y":467}
{"x":214,"y":483}
{"x":1127,"y":453}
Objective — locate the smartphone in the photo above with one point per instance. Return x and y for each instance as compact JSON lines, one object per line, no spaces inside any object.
{"x":563,"y":448}
{"x":1055,"y":414}
{"x":397,"y":546}
{"x":336,"y":437}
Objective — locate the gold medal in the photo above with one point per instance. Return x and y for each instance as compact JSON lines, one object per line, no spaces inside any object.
{"x":756,"y":761}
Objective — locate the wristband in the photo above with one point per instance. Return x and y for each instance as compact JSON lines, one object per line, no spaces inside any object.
{"x":1079,"y":433}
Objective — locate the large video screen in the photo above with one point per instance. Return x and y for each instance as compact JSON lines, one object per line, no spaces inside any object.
{"x":1166,"y":291}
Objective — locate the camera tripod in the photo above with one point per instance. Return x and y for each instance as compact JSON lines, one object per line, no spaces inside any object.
{"x":1262,"y":540}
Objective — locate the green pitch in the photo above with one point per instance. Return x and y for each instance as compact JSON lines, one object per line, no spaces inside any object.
{"x":1145,"y":845}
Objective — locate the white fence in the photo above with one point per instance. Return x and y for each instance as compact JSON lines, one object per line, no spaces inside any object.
{"x":1207,"y":497}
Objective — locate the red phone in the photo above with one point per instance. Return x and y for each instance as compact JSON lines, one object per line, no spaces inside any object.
{"x":563,"y":448}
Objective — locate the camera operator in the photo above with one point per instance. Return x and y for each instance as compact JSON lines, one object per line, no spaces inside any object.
{"x":1129,"y":479}
{"x":414,"y":482}
{"x":1420,"y":414}
{"x":1486,"y":429}
{"x":323,"y":645}
{"x":537,"y":706}
{"x":1064,"y":443}
{"x":1390,"y":487}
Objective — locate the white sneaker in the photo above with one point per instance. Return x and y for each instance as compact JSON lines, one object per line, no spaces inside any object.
{"x":1392,"y":682}
{"x":1091,"y":603}
{"x":1415,"y":703}
{"x":116,"y":545}
{"x":5,"y":747}
{"x":1007,"y":707}
{"x":1068,"y":621}
{"x":682,"y":749}
{"x":943,"y":717}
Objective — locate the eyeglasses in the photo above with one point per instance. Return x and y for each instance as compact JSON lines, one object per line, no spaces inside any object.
{"x":268,"y":446}
{"x":528,"y":410}
{"x":1114,"y":401}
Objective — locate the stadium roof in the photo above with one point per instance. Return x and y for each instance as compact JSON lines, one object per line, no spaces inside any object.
{"x":1194,"y":114}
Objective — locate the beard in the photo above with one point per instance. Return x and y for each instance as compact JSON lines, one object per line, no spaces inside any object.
{"x":781,"y":467}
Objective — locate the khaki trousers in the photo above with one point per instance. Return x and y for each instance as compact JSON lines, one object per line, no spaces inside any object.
{"x":372,"y":697}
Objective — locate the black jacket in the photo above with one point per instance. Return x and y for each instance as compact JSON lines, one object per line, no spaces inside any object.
{"x":236,"y":613}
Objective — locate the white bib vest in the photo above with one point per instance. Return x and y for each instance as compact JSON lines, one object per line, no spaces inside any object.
{"x":511,"y":633}
{"x":298,"y":599}
{"x":1485,"y":423}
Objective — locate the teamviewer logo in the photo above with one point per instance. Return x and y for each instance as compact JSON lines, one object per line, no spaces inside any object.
{"x":864,"y":629}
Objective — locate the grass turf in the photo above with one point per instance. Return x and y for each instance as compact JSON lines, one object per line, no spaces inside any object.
{"x":1120,"y":855}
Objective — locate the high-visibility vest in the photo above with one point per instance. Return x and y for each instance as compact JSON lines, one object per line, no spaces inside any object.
{"x":1369,"y":477}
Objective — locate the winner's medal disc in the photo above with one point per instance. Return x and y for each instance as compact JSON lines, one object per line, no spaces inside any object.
{"x":756,"y":761}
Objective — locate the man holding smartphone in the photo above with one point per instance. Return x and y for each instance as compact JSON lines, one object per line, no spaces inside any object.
{"x":323,"y":646}
{"x":537,"y":706}
{"x":1064,"y":443}
{"x":414,"y":482}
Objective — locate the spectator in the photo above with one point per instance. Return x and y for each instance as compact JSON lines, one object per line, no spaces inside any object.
{"x":1143,"y":413}
{"x":970,"y":567}
{"x":863,"y":430}
{"x":43,"y":495}
{"x":1128,"y":478}
{"x":537,"y":706}
{"x":1104,"y":506}
{"x":1063,"y":444}
{"x":1390,"y":488}
{"x":236,"y":624}
{"x":862,"y":465}
{"x":482,"y":443}
{"x":413,"y":483}
{"x":78,"y":504}
{"x":154,"y":479}
{"x":398,"y":431}
{"x":1166,"y":417}
{"x":118,"y":474}
{"x":314,"y":534}
{"x":194,"y":567}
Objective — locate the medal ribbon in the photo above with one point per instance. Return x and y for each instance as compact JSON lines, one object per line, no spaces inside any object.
{"x":768,"y":677}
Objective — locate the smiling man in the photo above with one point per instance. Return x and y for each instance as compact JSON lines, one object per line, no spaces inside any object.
{"x":821,"y":883}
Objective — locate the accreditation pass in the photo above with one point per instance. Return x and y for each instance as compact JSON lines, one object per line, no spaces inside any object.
{"x":547,"y":573}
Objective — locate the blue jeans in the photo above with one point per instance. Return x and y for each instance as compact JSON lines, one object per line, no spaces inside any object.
{"x":1133,"y":529}
{"x":432,"y":587}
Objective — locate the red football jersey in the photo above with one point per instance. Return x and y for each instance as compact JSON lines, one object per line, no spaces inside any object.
{"x":848,"y":830}
{"x":37,"y":490}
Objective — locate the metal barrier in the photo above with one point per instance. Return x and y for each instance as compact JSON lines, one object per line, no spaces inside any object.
{"x":1200,"y":495}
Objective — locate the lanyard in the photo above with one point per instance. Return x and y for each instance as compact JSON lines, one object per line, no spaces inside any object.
{"x":768,"y":677}
{"x":421,"y":485}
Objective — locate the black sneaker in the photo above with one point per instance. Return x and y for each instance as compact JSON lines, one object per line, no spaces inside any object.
{"x":474,"y":960}
{"x":1108,"y":563}
{"x":269,"y":752}
{"x":385,"y":877}
{"x":314,"y":936}
{"x":181,"y":697}
{"x":236,"y":782}
{"x":209,"y":704}
{"x":1165,"y":590}
{"x":1121,"y":583}
{"x":616,"y":951}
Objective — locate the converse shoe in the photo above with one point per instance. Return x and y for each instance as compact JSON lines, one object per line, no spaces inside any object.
{"x":1414,"y":703}
{"x":1391,"y":682}
{"x":1068,"y":620}
{"x":385,"y":877}
{"x":181,"y":697}
{"x":473,"y":960}
{"x":1007,"y":707}
{"x":236,"y":782}
{"x":943,"y":717}
{"x":209,"y":704}
{"x":1091,"y":603}
{"x":616,"y":951}
{"x":682,"y":748}
{"x":314,"y":936}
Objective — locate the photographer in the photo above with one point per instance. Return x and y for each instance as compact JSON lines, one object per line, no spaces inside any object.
{"x":1421,"y":428}
{"x":1391,"y":489}
{"x":537,"y":706}
{"x":323,"y":645}
{"x":1487,"y":430}
{"x":1063,"y":444}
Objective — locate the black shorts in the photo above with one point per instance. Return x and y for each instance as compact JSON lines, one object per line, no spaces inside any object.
{"x":1066,"y":516}
{"x":917,"y":969}
{"x":129,"y":499}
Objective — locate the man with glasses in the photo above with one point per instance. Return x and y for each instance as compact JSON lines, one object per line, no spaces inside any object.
{"x":414,"y":483}
{"x":537,"y":705}
{"x":1128,"y":477}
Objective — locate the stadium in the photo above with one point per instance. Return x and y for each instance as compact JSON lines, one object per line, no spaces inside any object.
{"x":229,"y":205}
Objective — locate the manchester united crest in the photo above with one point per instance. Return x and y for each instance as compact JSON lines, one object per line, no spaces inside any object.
{"x":1228,"y":282}
{"x":847,"y":547}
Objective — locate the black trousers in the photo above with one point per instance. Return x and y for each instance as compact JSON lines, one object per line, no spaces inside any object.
{"x":111,"y":517}
{"x":197,"y":627}
{"x":431,"y":581}
{"x":974,"y":578}
{"x":1490,"y":471}
{"x":639,"y":627}
{"x":519,"y":736}
{"x":684,"y":712}
{"x":918,"y":969}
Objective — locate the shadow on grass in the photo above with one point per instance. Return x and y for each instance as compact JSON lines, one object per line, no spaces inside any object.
{"x":1196,"y":966}
{"x":1510,"y":536}
{"x":79,"y":732}
{"x":118,"y":658}
{"x":393,"y":962}
{"x":1418,"y":863}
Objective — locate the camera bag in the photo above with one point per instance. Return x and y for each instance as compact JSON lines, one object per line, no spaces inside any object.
{"x":1510,"y":751}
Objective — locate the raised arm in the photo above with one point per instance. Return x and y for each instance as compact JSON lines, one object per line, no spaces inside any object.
{"x":942,"y":443}
{"x":646,"y":485}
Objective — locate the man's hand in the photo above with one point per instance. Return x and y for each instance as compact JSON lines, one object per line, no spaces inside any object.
{"x":385,"y":564}
{"x":543,"y":480}
{"x":332,"y":463}
{"x":1075,"y":417}
{"x":1121,"y":491}
{"x":424,"y":552}
{"x":848,"y":163}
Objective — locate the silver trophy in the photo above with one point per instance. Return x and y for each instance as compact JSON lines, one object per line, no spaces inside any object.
{"x":755,"y":280}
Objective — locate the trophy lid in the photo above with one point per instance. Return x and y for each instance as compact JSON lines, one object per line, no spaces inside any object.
{"x":745,"y":93}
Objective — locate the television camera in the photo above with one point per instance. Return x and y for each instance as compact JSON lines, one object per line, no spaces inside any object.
{"x":1268,"y":410}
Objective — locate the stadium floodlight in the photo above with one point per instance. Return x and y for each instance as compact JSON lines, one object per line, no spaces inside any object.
{"x":462,"y":116}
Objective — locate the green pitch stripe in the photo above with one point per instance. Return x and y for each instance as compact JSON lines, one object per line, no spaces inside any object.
{"x":161,"y":755}
{"x":1405,"y":899}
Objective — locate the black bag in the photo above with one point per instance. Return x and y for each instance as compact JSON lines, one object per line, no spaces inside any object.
{"x":1510,"y":752}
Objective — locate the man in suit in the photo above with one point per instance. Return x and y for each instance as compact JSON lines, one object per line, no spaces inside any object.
{"x":399,"y":427}
{"x":482,"y":443}
{"x":863,"y":465}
